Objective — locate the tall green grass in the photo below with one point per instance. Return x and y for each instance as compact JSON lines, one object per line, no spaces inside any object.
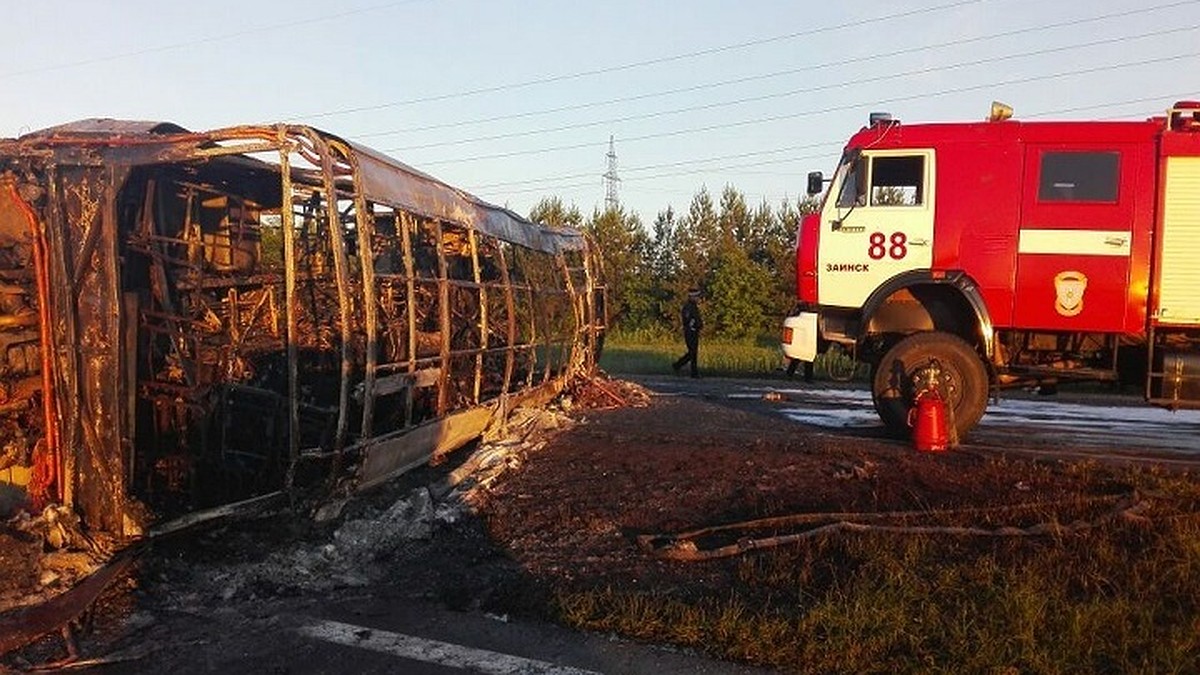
{"x":715,"y":358}
{"x":649,"y":353}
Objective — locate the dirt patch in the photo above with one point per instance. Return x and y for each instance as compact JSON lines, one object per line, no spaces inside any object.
{"x":572,"y":515}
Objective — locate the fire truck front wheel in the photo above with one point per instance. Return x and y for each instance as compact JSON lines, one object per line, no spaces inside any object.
{"x":959,"y":372}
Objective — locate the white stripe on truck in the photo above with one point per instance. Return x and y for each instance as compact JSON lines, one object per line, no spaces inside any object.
{"x":1075,"y":242}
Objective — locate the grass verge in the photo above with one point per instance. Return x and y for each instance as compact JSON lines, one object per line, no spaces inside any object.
{"x":630,"y":355}
{"x":1120,"y":596}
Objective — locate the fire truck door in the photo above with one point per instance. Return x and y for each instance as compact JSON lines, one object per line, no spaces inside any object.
{"x":877,"y":223}
{"x":1073,"y":252}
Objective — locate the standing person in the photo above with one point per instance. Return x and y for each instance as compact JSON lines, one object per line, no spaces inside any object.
{"x":808,"y":369}
{"x":690,"y":314}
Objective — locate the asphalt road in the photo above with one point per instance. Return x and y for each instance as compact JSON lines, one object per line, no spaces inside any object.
{"x":377,"y":631}
{"x":1066,"y":424}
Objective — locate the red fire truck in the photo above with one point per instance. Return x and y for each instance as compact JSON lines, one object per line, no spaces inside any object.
{"x":976,"y":256}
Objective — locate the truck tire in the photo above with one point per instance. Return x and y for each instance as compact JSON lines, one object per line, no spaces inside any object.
{"x":963,"y":383}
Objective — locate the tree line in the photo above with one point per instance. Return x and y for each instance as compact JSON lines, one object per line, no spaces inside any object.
{"x":741,"y":258}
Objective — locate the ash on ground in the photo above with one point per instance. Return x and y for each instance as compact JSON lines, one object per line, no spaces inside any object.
{"x":349,"y":543}
{"x":344,"y":543}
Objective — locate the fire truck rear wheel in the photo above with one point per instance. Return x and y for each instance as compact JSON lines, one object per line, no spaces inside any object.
{"x":964,"y":384}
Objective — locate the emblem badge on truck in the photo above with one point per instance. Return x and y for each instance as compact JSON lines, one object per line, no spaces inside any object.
{"x":1068,"y":289}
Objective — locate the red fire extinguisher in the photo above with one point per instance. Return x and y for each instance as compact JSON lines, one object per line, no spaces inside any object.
{"x":928,"y":421}
{"x":929,"y":415}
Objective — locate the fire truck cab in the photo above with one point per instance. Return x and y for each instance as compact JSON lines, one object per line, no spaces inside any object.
{"x":1005,"y":253}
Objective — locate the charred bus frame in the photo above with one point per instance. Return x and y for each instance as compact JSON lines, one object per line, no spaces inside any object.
{"x":194,"y":318}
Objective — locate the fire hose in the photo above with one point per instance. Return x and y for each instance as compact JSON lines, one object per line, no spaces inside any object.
{"x":694,"y":545}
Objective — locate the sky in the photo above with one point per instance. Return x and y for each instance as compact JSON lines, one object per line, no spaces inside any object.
{"x":517,"y":100}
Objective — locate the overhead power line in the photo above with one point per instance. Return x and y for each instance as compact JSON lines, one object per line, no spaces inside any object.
{"x":805,"y":90}
{"x":553,"y":183}
{"x":649,"y":167}
{"x":642,"y":64}
{"x":1112,"y":104}
{"x":687,"y":172}
{"x":812,"y":112}
{"x":874,"y":57}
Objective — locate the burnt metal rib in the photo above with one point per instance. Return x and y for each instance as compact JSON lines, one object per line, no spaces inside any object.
{"x":223,"y":314}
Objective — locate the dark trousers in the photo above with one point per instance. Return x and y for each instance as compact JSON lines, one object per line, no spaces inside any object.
{"x":808,"y":369}
{"x":692,"y":340}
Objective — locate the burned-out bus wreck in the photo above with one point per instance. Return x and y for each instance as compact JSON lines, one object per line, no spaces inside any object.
{"x":194,"y":319}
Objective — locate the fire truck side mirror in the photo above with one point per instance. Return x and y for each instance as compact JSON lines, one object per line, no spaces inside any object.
{"x":816,"y":182}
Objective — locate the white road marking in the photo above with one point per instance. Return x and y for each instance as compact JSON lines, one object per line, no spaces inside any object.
{"x":432,"y":651}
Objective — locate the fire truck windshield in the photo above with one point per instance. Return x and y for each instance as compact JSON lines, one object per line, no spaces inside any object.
{"x":852,"y":172}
